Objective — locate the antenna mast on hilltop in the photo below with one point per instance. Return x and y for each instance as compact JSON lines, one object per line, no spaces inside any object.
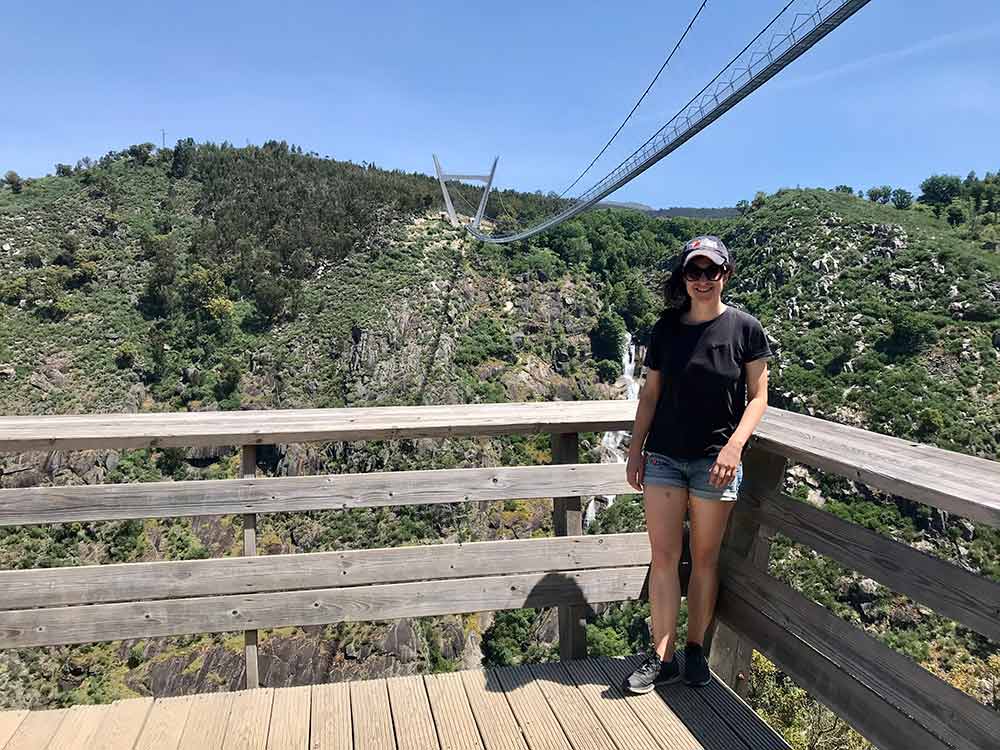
{"x":488,"y":179}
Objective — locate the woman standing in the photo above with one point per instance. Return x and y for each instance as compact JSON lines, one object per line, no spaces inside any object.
{"x":704,"y":395}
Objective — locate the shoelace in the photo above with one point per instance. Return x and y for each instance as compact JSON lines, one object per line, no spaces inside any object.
{"x":651,"y":664}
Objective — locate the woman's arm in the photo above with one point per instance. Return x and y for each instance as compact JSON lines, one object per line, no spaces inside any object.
{"x":724,"y":469}
{"x":648,"y":396}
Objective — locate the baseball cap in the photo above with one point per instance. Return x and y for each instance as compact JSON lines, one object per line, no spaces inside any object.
{"x":707,"y":246}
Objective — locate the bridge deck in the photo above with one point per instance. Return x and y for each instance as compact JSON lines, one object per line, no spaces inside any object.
{"x":557,"y":706}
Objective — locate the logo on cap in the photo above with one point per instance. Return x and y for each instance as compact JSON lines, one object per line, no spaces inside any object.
{"x":695,"y":244}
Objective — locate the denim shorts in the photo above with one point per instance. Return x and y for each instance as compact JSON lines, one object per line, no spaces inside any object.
{"x":689,"y":473}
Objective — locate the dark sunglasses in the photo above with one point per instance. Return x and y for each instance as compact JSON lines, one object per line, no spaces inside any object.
{"x":712,"y":272}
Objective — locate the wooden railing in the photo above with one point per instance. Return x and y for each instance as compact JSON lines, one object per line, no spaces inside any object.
{"x":888,"y":698}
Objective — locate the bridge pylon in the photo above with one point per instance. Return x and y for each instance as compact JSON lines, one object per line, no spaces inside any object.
{"x":486,"y":178}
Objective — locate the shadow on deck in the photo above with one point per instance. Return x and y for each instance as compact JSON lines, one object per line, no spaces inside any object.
{"x":556,"y":706}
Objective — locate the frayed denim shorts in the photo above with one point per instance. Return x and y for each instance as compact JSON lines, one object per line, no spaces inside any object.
{"x":691,"y":474}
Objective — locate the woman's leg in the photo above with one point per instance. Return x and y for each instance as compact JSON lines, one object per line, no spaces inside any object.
{"x":665,"y":508}
{"x":708,"y":525}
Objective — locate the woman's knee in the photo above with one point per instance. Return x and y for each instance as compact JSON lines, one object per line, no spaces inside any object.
{"x":705,"y":560}
{"x":667,"y":558}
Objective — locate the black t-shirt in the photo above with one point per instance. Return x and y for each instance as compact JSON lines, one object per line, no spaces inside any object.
{"x":704,"y":390}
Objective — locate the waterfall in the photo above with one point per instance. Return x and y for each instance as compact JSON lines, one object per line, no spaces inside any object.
{"x":613,"y":444}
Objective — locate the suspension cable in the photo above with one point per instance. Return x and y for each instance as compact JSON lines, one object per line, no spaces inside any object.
{"x":648,"y":88}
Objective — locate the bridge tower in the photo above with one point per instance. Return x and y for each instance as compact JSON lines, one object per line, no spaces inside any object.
{"x":488,"y":179}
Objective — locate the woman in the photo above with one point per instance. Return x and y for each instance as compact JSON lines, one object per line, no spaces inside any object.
{"x":704,"y":395}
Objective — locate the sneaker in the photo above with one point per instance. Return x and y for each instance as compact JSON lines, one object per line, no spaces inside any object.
{"x":696,"y":672}
{"x":652,"y":672}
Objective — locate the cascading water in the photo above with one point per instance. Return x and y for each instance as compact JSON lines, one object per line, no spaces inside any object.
{"x":613,"y":444}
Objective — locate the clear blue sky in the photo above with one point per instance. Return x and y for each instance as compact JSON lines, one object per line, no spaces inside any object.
{"x":904,"y":89}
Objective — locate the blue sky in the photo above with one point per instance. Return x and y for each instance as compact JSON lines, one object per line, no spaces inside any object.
{"x":904,"y":89}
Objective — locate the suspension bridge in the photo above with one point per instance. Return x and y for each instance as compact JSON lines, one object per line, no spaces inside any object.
{"x":799,"y":26}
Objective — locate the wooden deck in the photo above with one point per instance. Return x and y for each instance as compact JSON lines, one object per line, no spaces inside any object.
{"x":558,"y":706}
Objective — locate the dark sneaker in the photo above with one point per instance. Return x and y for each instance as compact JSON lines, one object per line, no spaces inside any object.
{"x":652,"y":672}
{"x":696,"y":671}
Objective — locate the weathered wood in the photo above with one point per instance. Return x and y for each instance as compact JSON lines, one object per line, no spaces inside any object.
{"x":78,"y":728}
{"x":497,"y":725}
{"x":249,"y":719}
{"x":411,"y":713}
{"x":122,"y":725}
{"x":289,"y":728}
{"x":36,"y":730}
{"x":93,"y":584}
{"x":865,"y":710}
{"x":330,"y":492}
{"x":372,"y":715}
{"x":942,"y":709}
{"x":953,"y":592}
{"x":732,"y":710}
{"x":456,"y":726}
{"x":205,"y":728}
{"x":330,"y":727}
{"x":607,"y":703}
{"x":539,"y":725}
{"x":9,"y":722}
{"x":699,"y":718}
{"x":730,"y":655}
{"x":579,"y":723}
{"x":248,"y":470}
{"x":654,"y":713}
{"x":165,"y":724}
{"x":567,"y":520}
{"x":307,"y":425}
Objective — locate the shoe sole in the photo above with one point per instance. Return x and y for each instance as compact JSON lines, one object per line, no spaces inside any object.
{"x":650,"y":688}
{"x":697,"y":684}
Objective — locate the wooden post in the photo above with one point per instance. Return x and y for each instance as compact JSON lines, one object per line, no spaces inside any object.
{"x":567,"y":520}
{"x":746,"y":542}
{"x":248,"y":470}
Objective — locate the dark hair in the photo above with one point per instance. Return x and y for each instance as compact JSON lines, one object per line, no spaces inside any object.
{"x":675,"y":296}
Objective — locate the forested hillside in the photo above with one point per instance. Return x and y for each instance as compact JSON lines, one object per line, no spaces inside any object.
{"x":210,"y":277}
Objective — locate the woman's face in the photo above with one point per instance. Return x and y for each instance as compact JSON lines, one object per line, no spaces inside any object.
{"x":703,"y":288}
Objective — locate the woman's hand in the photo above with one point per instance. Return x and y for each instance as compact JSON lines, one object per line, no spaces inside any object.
{"x":723,"y":471}
{"x":634,"y":470}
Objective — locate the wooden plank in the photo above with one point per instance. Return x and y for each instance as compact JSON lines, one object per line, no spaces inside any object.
{"x":122,"y":724}
{"x":411,"y":713}
{"x":941,"y":708}
{"x":730,"y":708}
{"x":567,"y":520}
{"x":207,"y":721}
{"x":330,"y":722}
{"x":608,"y":703}
{"x":654,"y":713}
{"x":249,"y":718}
{"x":165,"y":724}
{"x":9,"y":722}
{"x":372,"y":715}
{"x":93,"y":584}
{"x":78,"y":728}
{"x":456,"y":726}
{"x":581,"y":726}
{"x":248,"y":470}
{"x":103,"y":622}
{"x":497,"y":726}
{"x":971,"y":599}
{"x":36,"y":730}
{"x":700,"y":719}
{"x":290,"y":719}
{"x":865,"y":710}
{"x":306,"y":425}
{"x":285,"y":494}
{"x":539,"y":725}
{"x":729,"y":654}
{"x":961,"y":484}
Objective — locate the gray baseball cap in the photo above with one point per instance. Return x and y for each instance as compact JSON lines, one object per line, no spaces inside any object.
{"x":707,"y":246}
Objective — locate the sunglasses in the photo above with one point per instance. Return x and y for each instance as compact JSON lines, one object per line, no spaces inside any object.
{"x":712,"y":272}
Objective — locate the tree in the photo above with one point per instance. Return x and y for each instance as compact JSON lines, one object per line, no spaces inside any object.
{"x":880,"y":194}
{"x":956,"y":215}
{"x":140,"y":152}
{"x":13,"y":179}
{"x":64,"y":170}
{"x":743,"y":207}
{"x":607,"y":339}
{"x":902,"y":199}
{"x":939,"y":190}
{"x":183,"y":158}
{"x":847,"y":189}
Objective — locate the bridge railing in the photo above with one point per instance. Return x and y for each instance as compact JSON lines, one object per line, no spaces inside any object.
{"x":887,"y":697}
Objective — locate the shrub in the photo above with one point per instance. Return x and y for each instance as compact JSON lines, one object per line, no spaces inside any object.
{"x":607,"y":338}
{"x":609,"y":370}
{"x":64,"y":170}
{"x":13,"y":179}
